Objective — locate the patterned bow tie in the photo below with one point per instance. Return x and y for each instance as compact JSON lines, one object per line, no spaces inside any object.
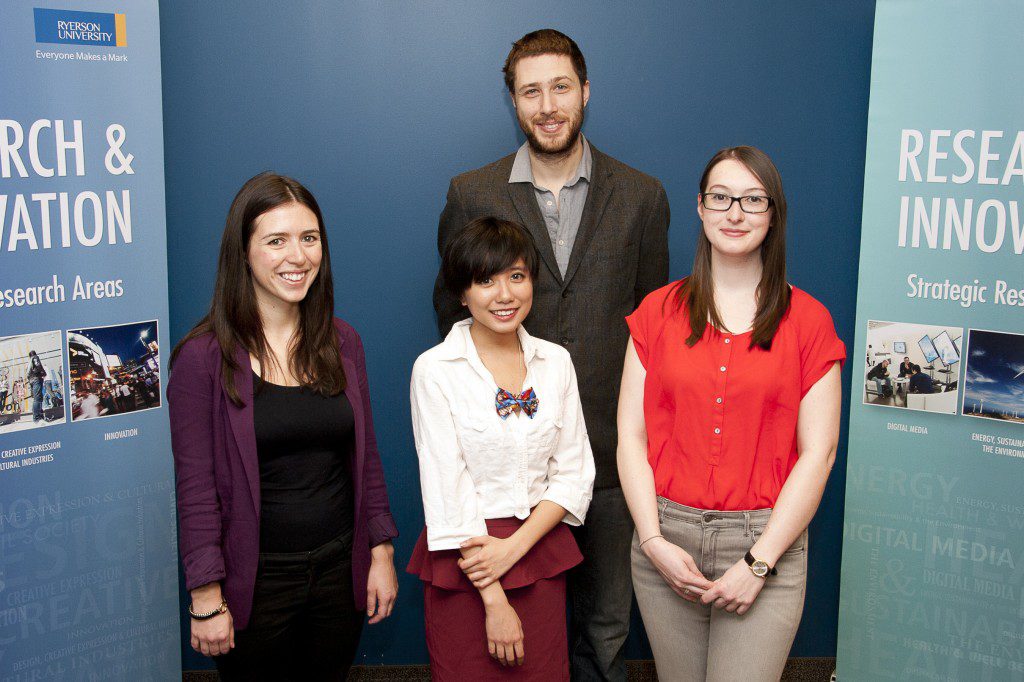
{"x":506,"y":403}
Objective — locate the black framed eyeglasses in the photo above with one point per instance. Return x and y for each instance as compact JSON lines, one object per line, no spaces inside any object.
{"x":752,"y":203}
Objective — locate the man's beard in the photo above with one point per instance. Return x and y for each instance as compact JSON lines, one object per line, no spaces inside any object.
{"x":555,"y":149}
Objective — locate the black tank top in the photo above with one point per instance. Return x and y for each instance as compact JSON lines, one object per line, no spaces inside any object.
{"x":304,"y":442}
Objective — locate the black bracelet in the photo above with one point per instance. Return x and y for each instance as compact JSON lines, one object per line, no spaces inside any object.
{"x":207,"y":616}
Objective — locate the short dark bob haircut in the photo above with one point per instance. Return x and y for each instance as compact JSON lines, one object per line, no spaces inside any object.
{"x":482,"y":249}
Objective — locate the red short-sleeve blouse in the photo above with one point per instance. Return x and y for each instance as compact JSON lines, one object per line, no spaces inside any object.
{"x":721,"y":416}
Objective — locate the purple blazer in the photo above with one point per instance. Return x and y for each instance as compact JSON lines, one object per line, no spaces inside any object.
{"x":218,"y":473}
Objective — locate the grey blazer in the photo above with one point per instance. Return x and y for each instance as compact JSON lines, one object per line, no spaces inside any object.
{"x":620,"y":255}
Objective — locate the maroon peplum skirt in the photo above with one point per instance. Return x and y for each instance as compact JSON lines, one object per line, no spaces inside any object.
{"x":535,"y":586}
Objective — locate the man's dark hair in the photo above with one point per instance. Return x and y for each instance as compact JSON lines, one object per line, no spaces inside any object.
{"x":485,"y":247}
{"x":544,"y":41}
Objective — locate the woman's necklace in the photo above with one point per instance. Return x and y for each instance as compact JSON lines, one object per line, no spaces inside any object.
{"x":518,"y":378}
{"x":522,"y":398}
{"x":521,"y":366}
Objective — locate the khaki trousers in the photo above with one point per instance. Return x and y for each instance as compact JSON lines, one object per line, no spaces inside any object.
{"x":697,"y":643}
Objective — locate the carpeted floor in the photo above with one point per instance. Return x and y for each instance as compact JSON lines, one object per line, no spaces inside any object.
{"x":797,"y":670}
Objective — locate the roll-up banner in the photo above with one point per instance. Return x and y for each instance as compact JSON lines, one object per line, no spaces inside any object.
{"x":933,"y":547}
{"x":88,"y":570}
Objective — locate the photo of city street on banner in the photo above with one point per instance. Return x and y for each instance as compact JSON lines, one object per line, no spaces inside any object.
{"x":31,"y":381}
{"x":114,"y":370}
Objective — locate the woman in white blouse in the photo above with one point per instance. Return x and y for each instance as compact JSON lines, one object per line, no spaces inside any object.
{"x":505,"y":466}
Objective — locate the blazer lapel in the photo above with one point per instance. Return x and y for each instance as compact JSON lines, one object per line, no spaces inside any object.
{"x":599,"y":193}
{"x":243,"y":425}
{"x":525,"y":201}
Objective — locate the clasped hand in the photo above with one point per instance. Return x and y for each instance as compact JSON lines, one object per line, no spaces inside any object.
{"x":493,"y":560}
{"x":736,"y":590}
{"x":677,"y":568}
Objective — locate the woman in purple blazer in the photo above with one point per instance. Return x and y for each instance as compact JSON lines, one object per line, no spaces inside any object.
{"x":285,"y":529}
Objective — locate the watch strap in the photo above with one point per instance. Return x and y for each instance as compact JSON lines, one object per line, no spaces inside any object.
{"x":749,"y":558}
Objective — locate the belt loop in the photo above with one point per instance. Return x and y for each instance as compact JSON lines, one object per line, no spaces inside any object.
{"x":661,"y":510}
{"x":746,"y":524}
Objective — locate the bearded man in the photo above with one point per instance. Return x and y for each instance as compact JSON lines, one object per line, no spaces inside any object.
{"x":601,"y":230}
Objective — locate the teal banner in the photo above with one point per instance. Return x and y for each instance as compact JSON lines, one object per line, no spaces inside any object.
{"x":933,"y":547}
{"x":88,"y":560}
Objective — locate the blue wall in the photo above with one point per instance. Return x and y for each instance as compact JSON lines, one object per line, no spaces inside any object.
{"x":376,"y":105}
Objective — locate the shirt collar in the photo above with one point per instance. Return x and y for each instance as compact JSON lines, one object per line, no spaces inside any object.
{"x":522,"y":171}
{"x":458,"y":345}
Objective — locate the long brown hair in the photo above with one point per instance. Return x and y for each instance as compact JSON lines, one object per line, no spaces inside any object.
{"x":234,"y":317}
{"x":697,"y":292}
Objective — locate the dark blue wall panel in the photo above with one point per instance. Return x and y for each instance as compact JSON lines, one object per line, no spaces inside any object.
{"x":376,"y":105}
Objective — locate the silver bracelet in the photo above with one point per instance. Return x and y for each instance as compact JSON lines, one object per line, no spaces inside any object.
{"x":640,"y":546}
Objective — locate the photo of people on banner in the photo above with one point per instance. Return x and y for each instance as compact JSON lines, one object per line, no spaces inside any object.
{"x":31,"y":381}
{"x":913,"y":366}
{"x":994,"y":385}
{"x":114,"y":370}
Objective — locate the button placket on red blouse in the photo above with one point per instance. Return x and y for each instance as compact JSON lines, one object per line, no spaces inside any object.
{"x":692,"y":464}
{"x":724,"y":359}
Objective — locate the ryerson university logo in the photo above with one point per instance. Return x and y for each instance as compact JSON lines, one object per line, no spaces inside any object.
{"x":80,"y":28}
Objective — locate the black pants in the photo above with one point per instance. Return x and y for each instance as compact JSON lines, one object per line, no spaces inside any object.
{"x":304,"y":623}
{"x":601,"y":590}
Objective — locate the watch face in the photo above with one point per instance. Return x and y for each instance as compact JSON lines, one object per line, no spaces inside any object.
{"x":759,"y":568}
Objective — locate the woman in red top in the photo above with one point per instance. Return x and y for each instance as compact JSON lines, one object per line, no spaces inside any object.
{"x":728,"y":424}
